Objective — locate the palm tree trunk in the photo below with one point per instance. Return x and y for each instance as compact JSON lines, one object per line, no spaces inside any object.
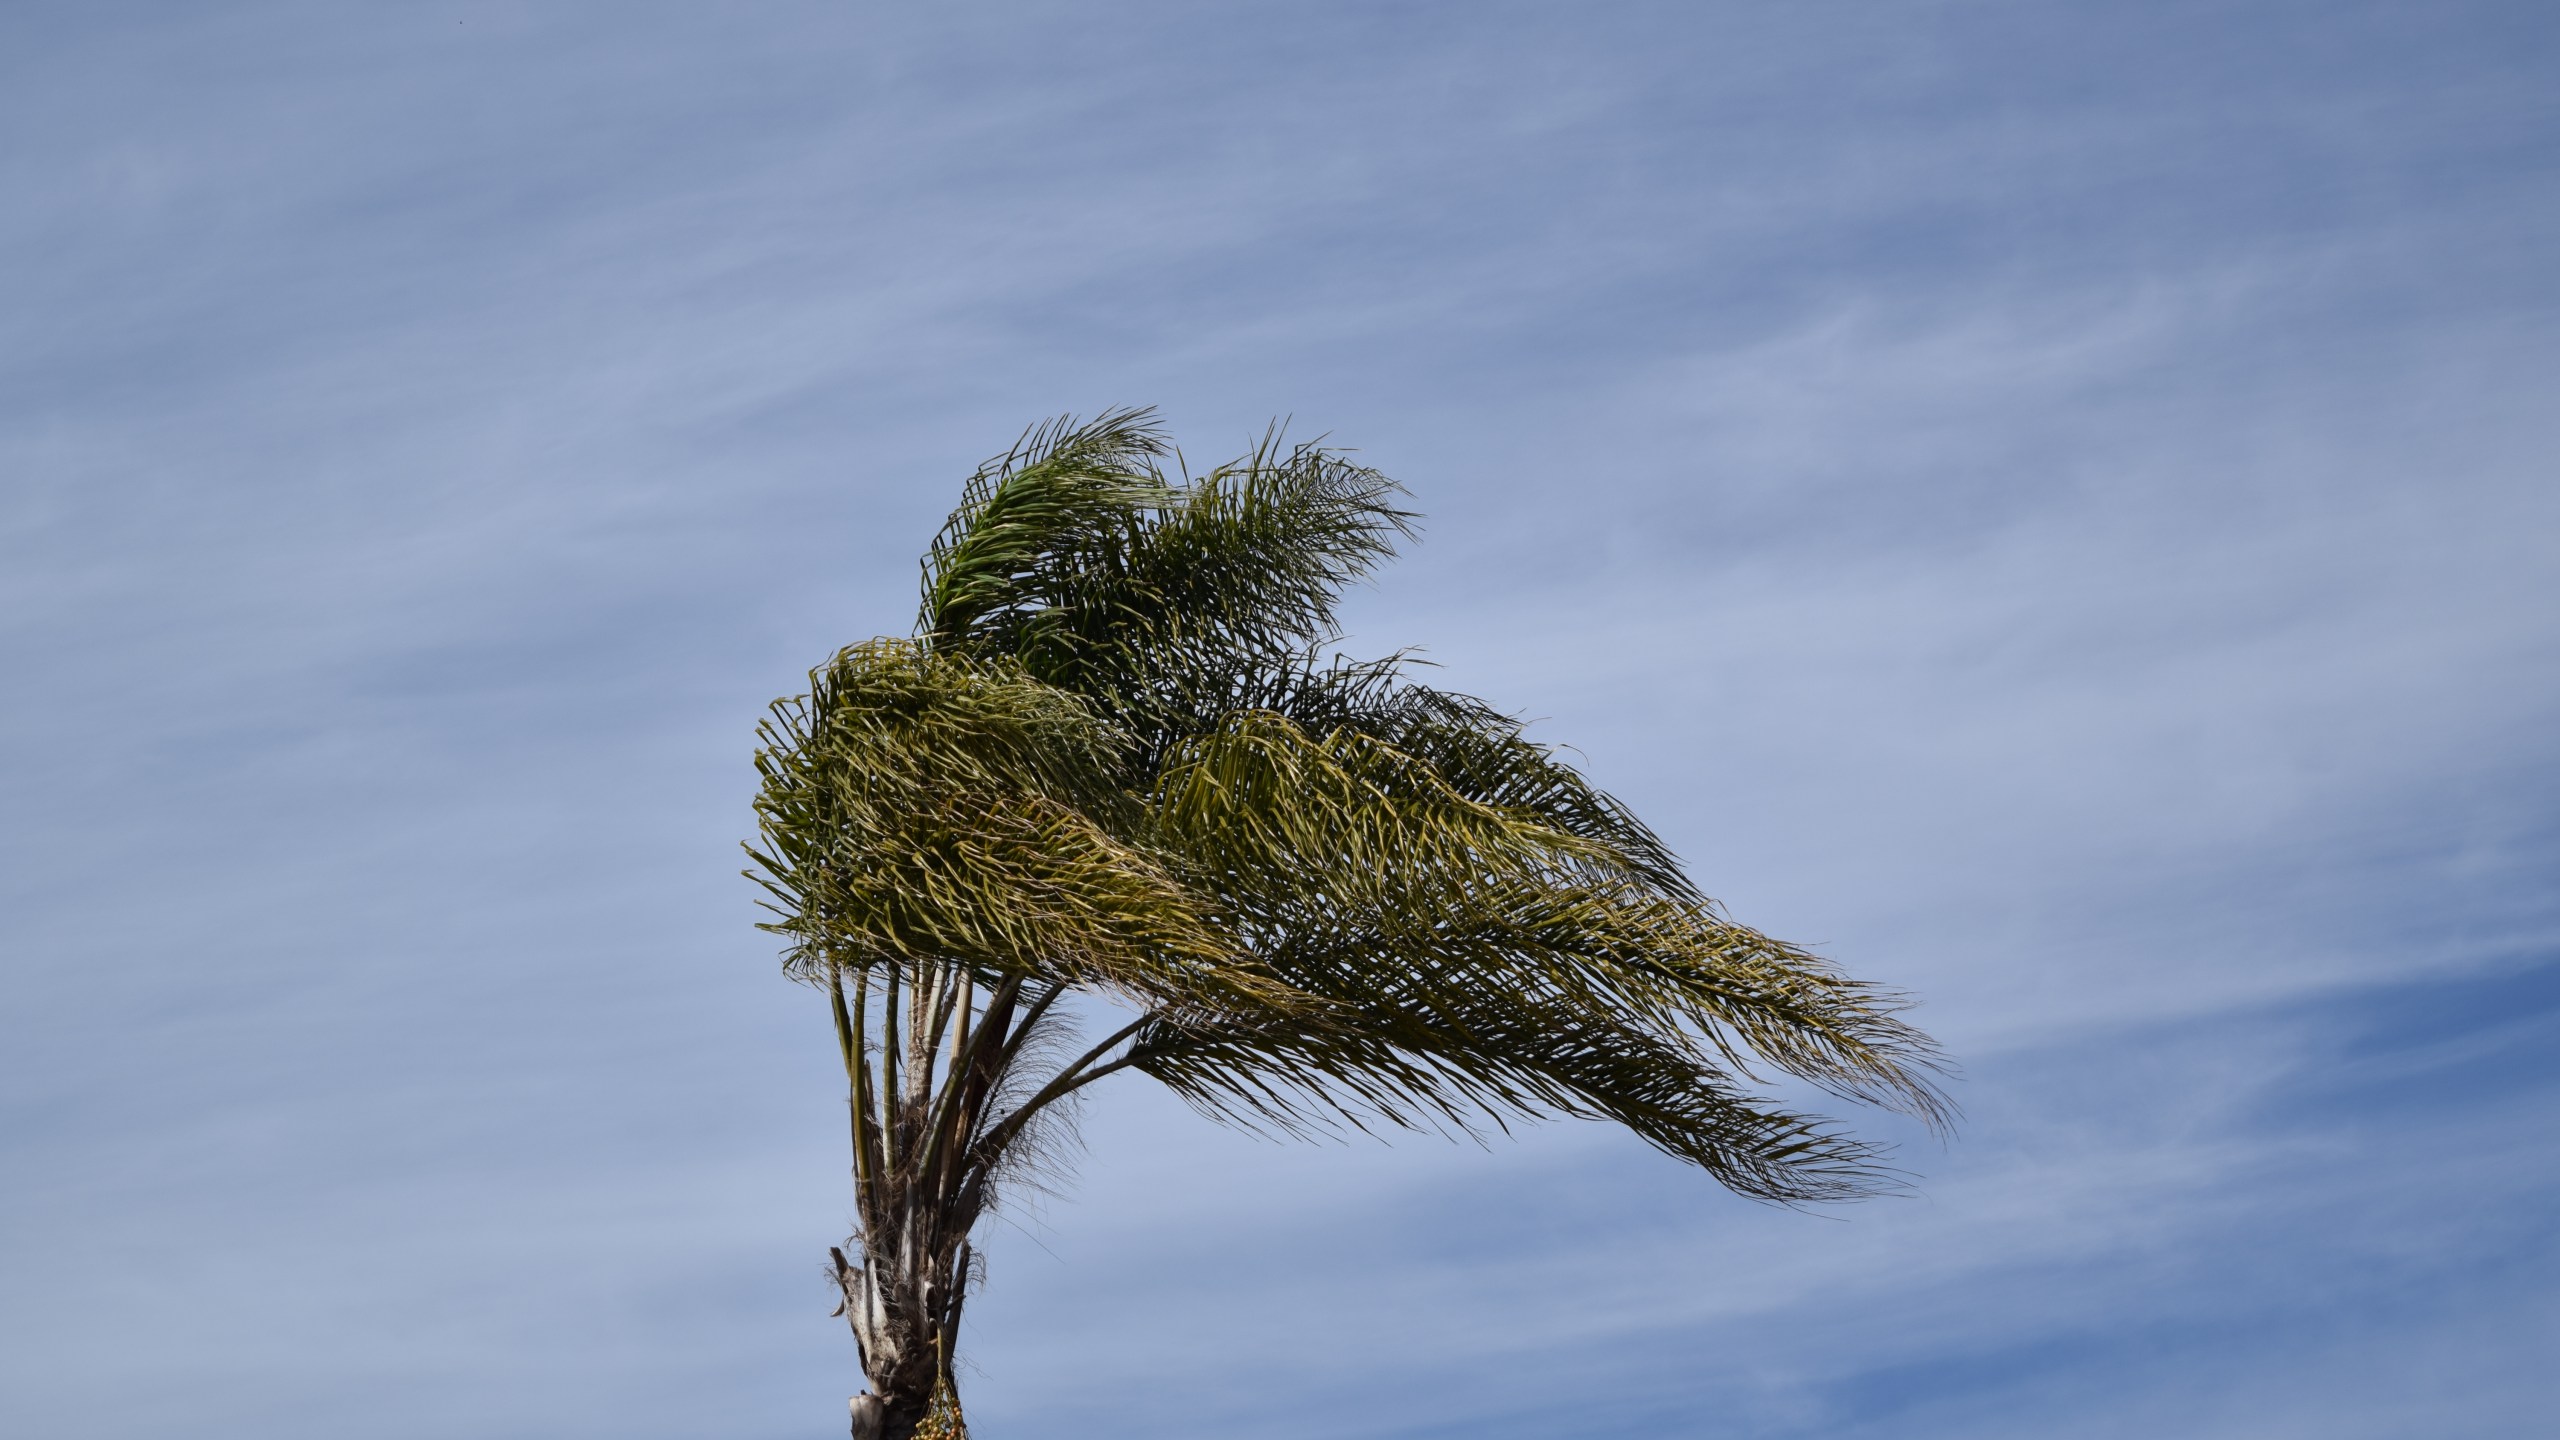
{"x":941,"y":1422}
{"x":913,"y":1108}
{"x":902,"y":1317}
{"x":877,"y":1419}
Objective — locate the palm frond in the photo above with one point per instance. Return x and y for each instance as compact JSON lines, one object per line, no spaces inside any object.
{"x":1477,"y":751}
{"x":1129,"y":594}
{"x":1254,"y":560}
{"x":1435,"y":922}
{"x":917,"y":807}
{"x":1030,"y":513}
{"x":1501,"y":1059}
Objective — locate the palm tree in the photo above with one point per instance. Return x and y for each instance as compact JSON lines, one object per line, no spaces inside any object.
{"x":1113,"y":762}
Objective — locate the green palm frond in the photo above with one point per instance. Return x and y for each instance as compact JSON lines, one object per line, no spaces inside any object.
{"x":1073,"y":555}
{"x":1450,"y":933}
{"x":918,"y":807}
{"x":1474,"y":749}
{"x":1508,"y":1058}
{"x":1066,"y":488}
{"x":1254,"y":560}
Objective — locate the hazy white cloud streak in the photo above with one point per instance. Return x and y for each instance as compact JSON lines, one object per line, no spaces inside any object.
{"x":2052,"y":505}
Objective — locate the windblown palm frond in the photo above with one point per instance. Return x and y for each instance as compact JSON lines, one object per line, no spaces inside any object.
{"x":1483,"y":959}
{"x":922,"y":808}
{"x":1073,"y":555}
{"x":1474,"y":749}
{"x":1029,"y":519}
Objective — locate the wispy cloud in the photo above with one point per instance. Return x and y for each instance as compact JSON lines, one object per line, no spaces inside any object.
{"x":2052,"y":505}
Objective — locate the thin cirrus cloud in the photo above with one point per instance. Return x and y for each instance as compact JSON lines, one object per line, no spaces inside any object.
{"x":2050,"y":505}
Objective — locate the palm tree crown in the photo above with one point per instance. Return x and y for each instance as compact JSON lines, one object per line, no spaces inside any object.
{"x":1114,"y":759}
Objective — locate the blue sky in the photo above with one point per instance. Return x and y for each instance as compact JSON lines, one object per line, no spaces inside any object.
{"x":2053,"y":504}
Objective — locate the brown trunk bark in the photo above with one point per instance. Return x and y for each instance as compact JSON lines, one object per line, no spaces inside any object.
{"x":905,"y":1332}
{"x":941,"y":1421}
{"x":907,"y":1418}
